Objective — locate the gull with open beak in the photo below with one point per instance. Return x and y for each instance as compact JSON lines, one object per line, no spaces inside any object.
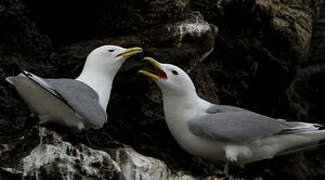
{"x":78,"y":103}
{"x":220,"y":132}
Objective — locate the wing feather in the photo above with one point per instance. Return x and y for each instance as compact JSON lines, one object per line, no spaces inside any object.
{"x":77,"y":95}
{"x":243,"y":126}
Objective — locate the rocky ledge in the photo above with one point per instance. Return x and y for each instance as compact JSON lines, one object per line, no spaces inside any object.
{"x":54,"y":158}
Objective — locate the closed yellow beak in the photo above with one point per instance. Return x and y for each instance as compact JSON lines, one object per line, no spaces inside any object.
{"x":131,"y":52}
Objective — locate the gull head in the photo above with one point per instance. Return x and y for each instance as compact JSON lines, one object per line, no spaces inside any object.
{"x":110,"y":57}
{"x":170,"y":78}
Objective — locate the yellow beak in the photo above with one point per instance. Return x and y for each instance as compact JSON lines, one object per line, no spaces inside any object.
{"x":160,"y":71}
{"x":130,"y":52}
{"x":148,"y":74}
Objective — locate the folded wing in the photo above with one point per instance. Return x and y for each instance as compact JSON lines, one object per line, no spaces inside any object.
{"x":81,"y":98}
{"x":243,"y":126}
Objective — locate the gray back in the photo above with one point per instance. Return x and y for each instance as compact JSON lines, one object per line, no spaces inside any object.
{"x":236,"y":125}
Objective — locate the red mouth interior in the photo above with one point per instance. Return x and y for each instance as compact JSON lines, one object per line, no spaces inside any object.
{"x":162,"y":75}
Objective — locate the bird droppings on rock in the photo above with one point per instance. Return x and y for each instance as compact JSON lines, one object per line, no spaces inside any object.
{"x":195,"y":30}
{"x":135,"y":166}
{"x":65,"y":161}
{"x":195,"y":27}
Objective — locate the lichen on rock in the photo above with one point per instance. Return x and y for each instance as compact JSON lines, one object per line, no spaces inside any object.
{"x":135,"y":166}
{"x":65,"y":161}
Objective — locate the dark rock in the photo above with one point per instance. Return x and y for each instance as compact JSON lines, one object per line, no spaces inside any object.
{"x":306,"y":102}
{"x":306,"y":94}
{"x":67,"y":22}
{"x":7,"y":173}
{"x":258,"y":49}
{"x":19,"y":35}
{"x":23,"y":43}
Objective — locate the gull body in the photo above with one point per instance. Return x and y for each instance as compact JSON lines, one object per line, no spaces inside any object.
{"x":78,"y":103}
{"x":225,"y":133}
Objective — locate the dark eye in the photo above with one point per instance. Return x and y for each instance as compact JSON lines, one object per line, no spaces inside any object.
{"x":111,"y":50}
{"x":174,"y":72}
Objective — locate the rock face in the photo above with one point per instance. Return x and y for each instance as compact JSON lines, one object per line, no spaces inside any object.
{"x":135,"y":166}
{"x":53,"y":158}
{"x":263,"y":55}
{"x":56,"y":159}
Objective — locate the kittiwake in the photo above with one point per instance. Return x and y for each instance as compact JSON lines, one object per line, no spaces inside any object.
{"x":77,"y":103}
{"x":225,"y":133}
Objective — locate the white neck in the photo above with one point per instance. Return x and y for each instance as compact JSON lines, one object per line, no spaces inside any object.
{"x":180,"y":108}
{"x":99,"y":80}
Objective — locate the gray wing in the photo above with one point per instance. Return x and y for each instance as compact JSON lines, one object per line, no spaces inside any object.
{"x":216,"y":108}
{"x":82,"y":99}
{"x":78,"y":96}
{"x":242,"y":126}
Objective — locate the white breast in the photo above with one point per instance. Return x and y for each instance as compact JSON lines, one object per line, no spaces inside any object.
{"x":177,"y":118}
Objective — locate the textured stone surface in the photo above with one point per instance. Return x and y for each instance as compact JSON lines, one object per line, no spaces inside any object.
{"x":306,"y":101}
{"x":54,"y":158}
{"x":135,"y":166}
{"x":262,"y":41}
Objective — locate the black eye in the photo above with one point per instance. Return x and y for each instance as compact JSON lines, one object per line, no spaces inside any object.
{"x":174,"y":72}
{"x":111,"y":50}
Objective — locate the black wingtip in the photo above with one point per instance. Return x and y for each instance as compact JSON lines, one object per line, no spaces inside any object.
{"x":321,"y":126}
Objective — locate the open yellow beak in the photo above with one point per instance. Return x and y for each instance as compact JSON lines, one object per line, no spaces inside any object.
{"x":159,"y":70}
{"x":130,"y":52}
